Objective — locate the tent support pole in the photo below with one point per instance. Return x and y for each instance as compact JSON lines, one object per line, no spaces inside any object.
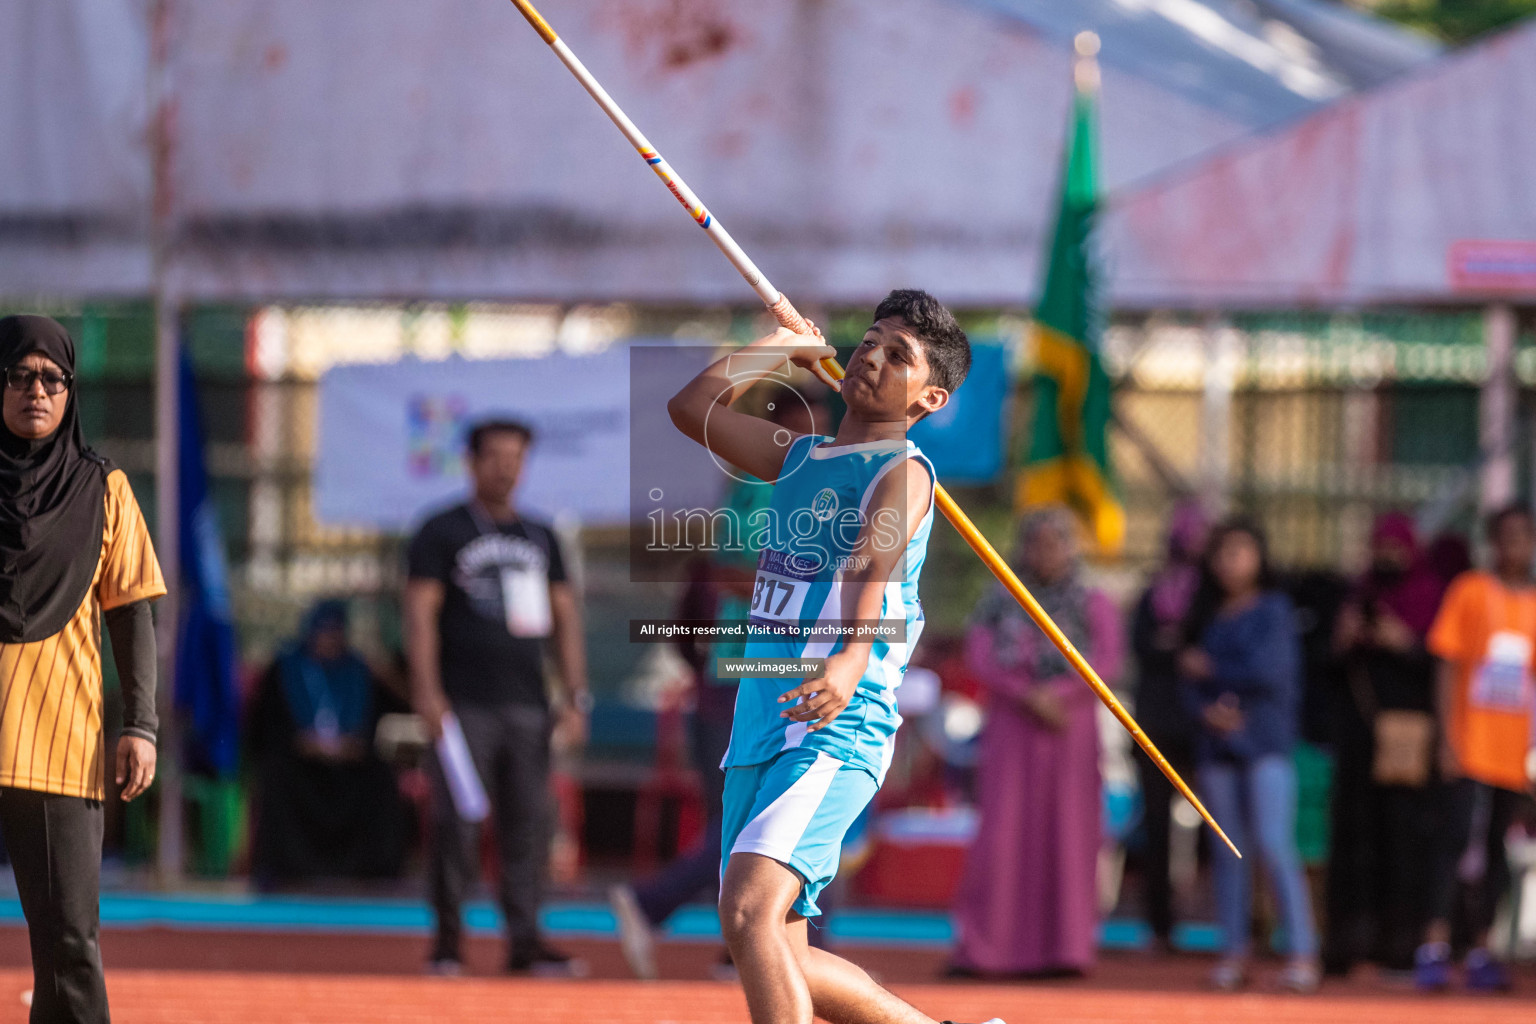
{"x":1496,"y":412}
{"x":169,"y":859}
{"x":169,"y":852}
{"x":1221,"y":363}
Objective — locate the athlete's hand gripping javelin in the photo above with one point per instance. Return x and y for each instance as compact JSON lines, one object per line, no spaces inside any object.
{"x":702,"y":410}
{"x":807,"y":351}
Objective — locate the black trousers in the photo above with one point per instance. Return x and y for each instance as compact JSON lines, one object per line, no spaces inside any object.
{"x":55,"y":847}
{"x":319,"y":819}
{"x":1380,"y":862}
{"x":510,"y":747}
{"x":1472,"y":813}
{"x":1157,"y":801}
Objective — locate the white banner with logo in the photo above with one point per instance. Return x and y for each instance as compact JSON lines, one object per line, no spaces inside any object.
{"x":391,"y":436}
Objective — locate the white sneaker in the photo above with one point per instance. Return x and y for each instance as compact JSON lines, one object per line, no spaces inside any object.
{"x":636,"y":937}
{"x":1301,"y":976}
{"x":1229,"y":974}
{"x":445,"y":968}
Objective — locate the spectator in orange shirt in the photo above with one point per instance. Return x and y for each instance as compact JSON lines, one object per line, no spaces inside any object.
{"x":1484,"y":636}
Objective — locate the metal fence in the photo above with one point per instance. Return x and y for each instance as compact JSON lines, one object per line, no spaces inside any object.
{"x":1323,"y":422}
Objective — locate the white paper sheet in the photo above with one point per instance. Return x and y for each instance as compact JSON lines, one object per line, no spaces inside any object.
{"x":464,"y":784}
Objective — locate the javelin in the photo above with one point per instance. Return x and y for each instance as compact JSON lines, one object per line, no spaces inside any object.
{"x":788,"y":317}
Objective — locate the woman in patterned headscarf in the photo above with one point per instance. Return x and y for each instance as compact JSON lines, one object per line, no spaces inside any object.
{"x":1028,"y":903}
{"x":74,"y":552}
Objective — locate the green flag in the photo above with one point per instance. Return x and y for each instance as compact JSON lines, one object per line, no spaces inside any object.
{"x":1068,"y":458}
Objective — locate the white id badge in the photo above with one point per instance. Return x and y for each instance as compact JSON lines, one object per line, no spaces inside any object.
{"x":525,"y":597}
{"x":1503,"y":681}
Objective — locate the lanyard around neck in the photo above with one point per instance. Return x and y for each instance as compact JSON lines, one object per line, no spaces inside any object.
{"x":483,"y":521}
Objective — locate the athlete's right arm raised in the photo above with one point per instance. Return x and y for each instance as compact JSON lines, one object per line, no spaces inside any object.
{"x":702,"y":409}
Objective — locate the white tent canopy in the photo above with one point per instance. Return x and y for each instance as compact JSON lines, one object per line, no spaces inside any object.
{"x":75,"y":192}
{"x":1421,"y":191}
{"x":400,"y":149}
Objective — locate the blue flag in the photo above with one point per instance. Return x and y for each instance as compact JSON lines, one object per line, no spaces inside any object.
{"x":964,"y":440}
{"x":206,"y":694}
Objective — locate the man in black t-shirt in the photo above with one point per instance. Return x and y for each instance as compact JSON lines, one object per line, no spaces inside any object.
{"x":486,"y":589}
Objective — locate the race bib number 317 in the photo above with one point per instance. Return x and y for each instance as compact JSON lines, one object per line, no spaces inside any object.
{"x":778,"y":595}
{"x":777,"y":599}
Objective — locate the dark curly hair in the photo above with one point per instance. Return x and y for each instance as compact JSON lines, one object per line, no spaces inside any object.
{"x":947,"y":348}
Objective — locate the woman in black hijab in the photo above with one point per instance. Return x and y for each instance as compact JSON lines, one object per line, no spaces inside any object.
{"x":74,"y":551}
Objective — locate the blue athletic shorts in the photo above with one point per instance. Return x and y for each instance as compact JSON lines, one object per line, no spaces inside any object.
{"x":795,"y":809}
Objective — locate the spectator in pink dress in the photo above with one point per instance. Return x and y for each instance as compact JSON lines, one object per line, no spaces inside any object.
{"x":1028,"y":902}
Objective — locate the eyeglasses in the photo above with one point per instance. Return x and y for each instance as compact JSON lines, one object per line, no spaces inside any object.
{"x":20,"y":378}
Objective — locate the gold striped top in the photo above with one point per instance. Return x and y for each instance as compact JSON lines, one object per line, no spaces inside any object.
{"x":50,"y":690}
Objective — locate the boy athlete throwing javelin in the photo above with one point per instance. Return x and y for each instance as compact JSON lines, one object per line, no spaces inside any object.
{"x":843,"y":544}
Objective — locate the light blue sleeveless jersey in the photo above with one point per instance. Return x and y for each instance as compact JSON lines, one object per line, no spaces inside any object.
{"x":819,"y":505}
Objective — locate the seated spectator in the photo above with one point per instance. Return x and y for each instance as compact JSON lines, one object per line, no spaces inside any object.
{"x":1484,"y":636}
{"x":326,"y":806}
{"x":1242,"y":671}
{"x":1028,"y":901}
{"x":1384,"y":753}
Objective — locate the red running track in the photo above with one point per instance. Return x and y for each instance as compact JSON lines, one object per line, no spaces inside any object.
{"x":181,"y":977}
{"x":176,"y":997}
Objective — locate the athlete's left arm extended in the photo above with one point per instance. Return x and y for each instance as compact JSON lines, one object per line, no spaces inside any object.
{"x":896,"y":510}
